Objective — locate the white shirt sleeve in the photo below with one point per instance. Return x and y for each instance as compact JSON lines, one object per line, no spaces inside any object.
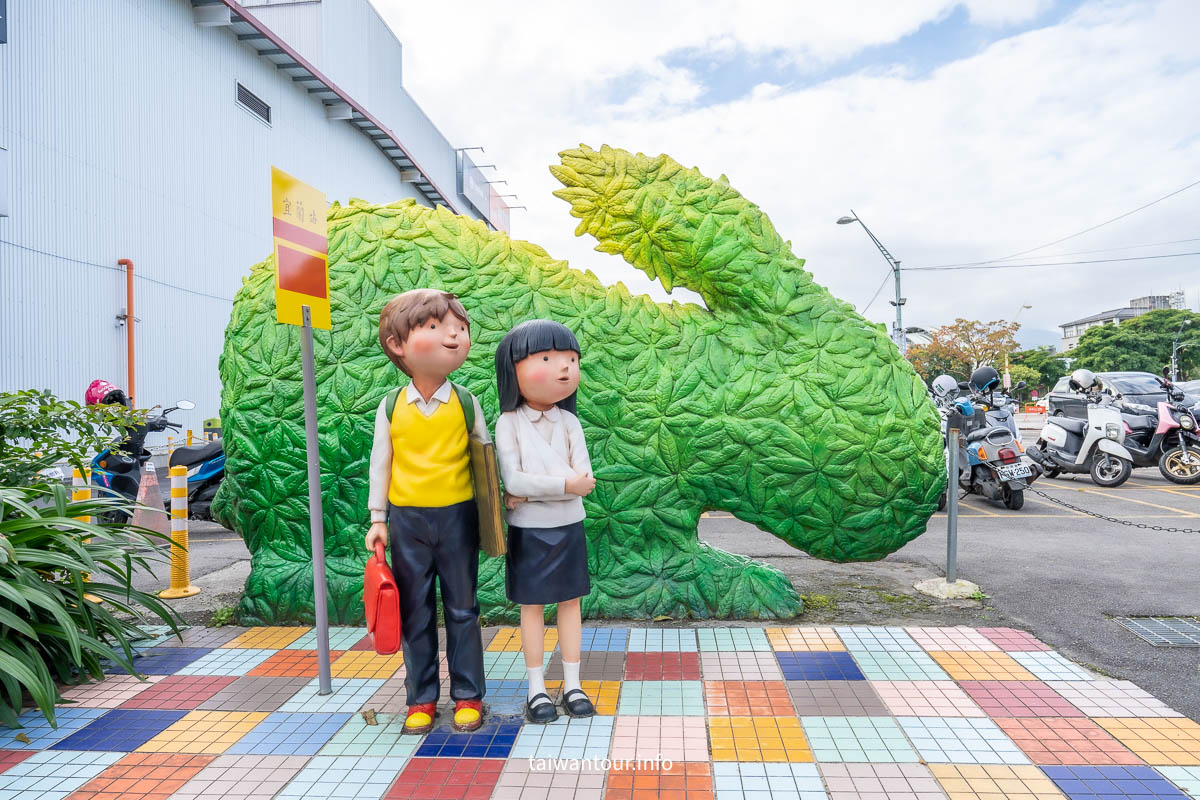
{"x":480,"y":432}
{"x":580,"y":461}
{"x":516,"y":482}
{"x":381,"y":465}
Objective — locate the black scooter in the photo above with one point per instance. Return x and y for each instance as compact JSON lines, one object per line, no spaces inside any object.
{"x":118,"y":469}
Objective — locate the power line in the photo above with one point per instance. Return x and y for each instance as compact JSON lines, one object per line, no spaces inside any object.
{"x":1074,"y":235}
{"x":114,"y":268}
{"x":877,"y":291}
{"x":1072,"y":253}
{"x":991,"y":265}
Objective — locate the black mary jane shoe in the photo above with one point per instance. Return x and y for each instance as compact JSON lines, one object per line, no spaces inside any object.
{"x":541,"y":713}
{"x":580,"y":705}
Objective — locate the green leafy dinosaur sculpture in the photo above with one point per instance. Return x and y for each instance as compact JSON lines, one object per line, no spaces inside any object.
{"x":777,"y":403}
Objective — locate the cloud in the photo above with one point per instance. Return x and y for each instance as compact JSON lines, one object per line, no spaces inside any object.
{"x":1034,"y":135}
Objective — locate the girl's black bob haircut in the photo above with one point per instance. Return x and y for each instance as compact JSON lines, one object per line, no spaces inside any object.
{"x":531,"y":336}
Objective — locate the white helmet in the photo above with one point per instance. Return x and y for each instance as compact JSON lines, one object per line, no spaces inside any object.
{"x":944,"y":386}
{"x":1083,"y":379}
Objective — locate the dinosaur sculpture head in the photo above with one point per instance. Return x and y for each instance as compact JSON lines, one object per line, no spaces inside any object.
{"x":777,"y":402}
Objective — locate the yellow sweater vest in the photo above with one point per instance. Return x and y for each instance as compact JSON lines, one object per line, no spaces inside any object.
{"x":430,"y":459}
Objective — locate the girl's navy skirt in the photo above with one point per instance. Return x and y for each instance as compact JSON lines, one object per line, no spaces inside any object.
{"x":546,"y":565}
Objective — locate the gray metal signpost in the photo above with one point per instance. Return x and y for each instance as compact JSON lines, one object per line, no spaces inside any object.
{"x":316,"y":518}
{"x":952,"y":504}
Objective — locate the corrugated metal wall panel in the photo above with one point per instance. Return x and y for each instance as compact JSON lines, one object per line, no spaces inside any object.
{"x":126,"y":142}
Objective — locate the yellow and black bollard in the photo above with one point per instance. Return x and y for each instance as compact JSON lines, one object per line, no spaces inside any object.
{"x":181,"y":582}
{"x":81,"y":489}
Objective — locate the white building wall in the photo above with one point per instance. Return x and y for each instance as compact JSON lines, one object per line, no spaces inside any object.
{"x":126,"y":142}
{"x":349,"y":42}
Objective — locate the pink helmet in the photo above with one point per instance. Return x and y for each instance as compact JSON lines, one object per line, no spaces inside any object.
{"x":101,"y":391}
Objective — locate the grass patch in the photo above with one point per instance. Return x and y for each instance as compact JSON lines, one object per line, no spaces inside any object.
{"x":222,"y":616}
{"x":818,"y":602}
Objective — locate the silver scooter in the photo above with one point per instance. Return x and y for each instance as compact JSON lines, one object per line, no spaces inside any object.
{"x":989,"y":454}
{"x":1094,"y":445}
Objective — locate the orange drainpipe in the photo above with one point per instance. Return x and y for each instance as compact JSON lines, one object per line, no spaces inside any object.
{"x":128,"y":265}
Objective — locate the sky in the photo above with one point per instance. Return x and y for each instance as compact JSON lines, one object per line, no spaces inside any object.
{"x":958,"y":131}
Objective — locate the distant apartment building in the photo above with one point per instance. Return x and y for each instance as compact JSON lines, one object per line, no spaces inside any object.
{"x":1071,"y":331}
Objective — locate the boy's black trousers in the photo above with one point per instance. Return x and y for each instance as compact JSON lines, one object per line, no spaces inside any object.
{"x":441,"y":542}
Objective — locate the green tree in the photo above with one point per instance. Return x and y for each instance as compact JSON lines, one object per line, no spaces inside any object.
{"x":1020,"y":373}
{"x":1142,"y":344}
{"x":1049,"y":366}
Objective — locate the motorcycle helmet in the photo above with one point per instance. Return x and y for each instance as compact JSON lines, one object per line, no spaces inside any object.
{"x":101,"y":392}
{"x":944,"y":386}
{"x":1083,"y":380}
{"x":984,"y":379}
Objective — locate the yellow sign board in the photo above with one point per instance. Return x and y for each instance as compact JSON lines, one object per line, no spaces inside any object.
{"x":301,"y":251}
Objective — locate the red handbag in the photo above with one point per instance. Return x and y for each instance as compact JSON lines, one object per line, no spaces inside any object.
{"x":382,"y":602}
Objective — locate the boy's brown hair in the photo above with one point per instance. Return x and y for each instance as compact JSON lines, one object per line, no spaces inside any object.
{"x":412,"y":309}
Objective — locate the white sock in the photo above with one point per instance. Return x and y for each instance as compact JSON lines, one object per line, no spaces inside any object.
{"x":570,"y":676}
{"x":537,"y":684}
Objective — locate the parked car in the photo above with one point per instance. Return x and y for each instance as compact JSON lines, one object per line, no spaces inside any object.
{"x":1133,"y":387}
{"x":1191,"y":388}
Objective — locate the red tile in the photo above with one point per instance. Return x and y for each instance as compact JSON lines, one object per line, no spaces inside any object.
{"x":143,"y":776}
{"x":1013,"y":640}
{"x":1019,"y":699}
{"x":10,"y":758}
{"x":662,"y":666}
{"x":185,"y":692}
{"x":1066,"y":740}
{"x":446,"y":779}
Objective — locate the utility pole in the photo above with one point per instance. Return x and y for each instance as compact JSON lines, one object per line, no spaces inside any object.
{"x":898,"y":335}
{"x":1175,"y":351}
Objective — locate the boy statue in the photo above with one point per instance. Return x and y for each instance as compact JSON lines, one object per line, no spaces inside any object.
{"x":422,"y":501}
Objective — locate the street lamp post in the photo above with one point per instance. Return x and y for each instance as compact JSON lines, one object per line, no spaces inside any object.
{"x":898,"y":331}
{"x":1007,"y":377}
{"x":1175,"y":351}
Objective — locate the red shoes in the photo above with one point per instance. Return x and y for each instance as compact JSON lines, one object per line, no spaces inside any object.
{"x":468,"y":715}
{"x":420,"y":718}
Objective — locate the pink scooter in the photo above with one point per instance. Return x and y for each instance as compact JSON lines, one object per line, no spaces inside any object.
{"x":1168,"y":439}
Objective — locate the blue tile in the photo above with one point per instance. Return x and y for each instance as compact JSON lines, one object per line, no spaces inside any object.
{"x":494,"y":740}
{"x":608,"y":639}
{"x":161,"y":660}
{"x":1112,"y":783}
{"x":121,"y":730}
{"x":819,"y":666}
{"x":37,"y":729}
{"x":506,"y":697}
{"x":290,"y":733}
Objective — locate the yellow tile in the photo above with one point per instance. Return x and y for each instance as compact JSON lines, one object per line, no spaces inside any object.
{"x":759,"y":738}
{"x":205,"y":732}
{"x":804,"y":639}
{"x":508,"y":640}
{"x":994,"y":782}
{"x":366,"y":664}
{"x":981,"y":665}
{"x":1158,"y":741}
{"x":603,"y":694}
{"x":269,"y":638}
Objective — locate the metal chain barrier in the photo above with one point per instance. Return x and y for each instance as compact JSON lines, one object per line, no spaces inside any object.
{"x":1129,"y":523}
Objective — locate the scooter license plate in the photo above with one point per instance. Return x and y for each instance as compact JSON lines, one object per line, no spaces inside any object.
{"x":1011,"y":471}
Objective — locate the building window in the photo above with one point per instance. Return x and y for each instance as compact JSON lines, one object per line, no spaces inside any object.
{"x":253,"y":103}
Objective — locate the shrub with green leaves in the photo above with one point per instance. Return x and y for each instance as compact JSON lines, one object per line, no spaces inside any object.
{"x":49,"y":631}
{"x":777,"y":402}
{"x":38,"y":430}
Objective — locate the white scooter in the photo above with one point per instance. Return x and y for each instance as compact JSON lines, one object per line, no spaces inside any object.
{"x":1094,"y":445}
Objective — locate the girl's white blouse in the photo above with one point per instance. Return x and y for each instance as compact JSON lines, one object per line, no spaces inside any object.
{"x":538,"y":451}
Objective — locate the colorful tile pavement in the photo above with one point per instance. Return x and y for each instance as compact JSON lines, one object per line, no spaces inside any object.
{"x":725,"y":712}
